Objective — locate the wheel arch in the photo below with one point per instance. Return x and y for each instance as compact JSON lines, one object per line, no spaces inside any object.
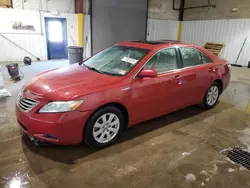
{"x":117,"y":105}
{"x":219,"y":81}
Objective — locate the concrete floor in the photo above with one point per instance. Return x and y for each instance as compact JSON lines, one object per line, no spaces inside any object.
{"x":181,"y":149}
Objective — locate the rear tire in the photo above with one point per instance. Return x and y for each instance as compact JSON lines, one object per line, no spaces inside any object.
{"x":212,"y":96}
{"x":103,"y":127}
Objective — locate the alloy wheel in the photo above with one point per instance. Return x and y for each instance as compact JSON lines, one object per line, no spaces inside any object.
{"x":106,"y":127}
{"x":212,"y":95}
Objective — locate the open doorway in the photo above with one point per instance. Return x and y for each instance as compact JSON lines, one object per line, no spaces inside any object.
{"x":56,"y":37}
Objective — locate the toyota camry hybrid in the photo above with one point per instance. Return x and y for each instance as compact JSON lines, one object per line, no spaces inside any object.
{"x":130,"y":82}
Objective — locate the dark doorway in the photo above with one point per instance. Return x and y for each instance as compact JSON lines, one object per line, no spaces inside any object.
{"x":117,"y":20}
{"x":56,"y":37}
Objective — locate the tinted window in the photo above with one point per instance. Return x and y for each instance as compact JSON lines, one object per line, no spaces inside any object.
{"x":116,"y":60}
{"x":163,"y":61}
{"x":205,"y":59}
{"x":190,"y":56}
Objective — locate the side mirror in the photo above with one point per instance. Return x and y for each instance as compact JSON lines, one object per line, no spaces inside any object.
{"x":148,"y":73}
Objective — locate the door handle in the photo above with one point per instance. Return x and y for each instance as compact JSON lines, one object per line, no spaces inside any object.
{"x":211,"y":69}
{"x":177,"y":77}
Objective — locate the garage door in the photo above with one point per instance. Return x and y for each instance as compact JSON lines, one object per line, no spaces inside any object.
{"x":117,"y":20}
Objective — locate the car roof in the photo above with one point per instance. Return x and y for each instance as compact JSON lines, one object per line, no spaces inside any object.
{"x":155,"y":42}
{"x":152,"y":44}
{"x":157,"y":45}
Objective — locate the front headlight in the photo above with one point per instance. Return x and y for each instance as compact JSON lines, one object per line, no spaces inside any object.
{"x":61,"y":106}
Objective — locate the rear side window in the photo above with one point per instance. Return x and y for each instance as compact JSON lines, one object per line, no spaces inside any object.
{"x":193,"y":57}
{"x":205,"y":59}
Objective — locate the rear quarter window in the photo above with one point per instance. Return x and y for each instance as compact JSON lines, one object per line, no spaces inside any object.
{"x":193,"y":57}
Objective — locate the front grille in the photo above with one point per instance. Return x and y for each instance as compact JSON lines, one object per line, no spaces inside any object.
{"x":49,"y":136}
{"x":27,"y":104}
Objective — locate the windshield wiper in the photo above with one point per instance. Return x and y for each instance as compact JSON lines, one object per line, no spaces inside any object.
{"x":112,"y":74}
{"x":101,"y":72}
{"x":94,"y":69}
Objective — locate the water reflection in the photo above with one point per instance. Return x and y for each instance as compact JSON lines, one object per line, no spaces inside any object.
{"x":237,"y":94}
{"x":18,"y":180}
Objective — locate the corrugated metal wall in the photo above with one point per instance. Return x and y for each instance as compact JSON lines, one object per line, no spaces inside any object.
{"x":231,"y":32}
{"x":33,"y":41}
{"x":117,"y":20}
{"x":162,"y":29}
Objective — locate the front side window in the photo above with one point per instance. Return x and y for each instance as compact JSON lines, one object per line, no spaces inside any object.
{"x":192,"y":57}
{"x":116,"y":60}
{"x":163,"y":61}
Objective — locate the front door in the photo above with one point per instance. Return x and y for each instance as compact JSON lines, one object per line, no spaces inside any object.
{"x":56,"y":37}
{"x":152,"y":97}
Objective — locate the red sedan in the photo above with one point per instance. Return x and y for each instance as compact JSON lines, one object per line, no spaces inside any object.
{"x":123,"y":85}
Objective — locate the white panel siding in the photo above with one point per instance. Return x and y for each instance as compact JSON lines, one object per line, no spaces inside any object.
{"x":230,"y":32}
{"x":35,"y":44}
{"x":162,"y":29}
{"x":1,"y":78}
{"x":66,"y":6}
{"x":32,"y":41}
{"x":87,"y":37}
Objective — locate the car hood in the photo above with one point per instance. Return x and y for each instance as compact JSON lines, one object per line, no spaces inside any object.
{"x":69,"y":82}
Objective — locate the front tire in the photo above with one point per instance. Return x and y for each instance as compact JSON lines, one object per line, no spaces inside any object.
{"x":212,"y":96}
{"x":103,"y":127}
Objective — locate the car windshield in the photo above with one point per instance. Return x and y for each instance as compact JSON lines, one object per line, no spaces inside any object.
{"x":116,"y":60}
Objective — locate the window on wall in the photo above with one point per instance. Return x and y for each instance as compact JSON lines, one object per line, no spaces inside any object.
{"x":192,"y":57}
{"x":163,"y":61}
{"x":55,"y":31}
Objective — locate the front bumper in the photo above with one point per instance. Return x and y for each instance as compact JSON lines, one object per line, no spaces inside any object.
{"x":58,"y":128}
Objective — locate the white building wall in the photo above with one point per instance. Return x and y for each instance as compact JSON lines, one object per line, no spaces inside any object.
{"x":64,"y":6}
{"x":87,"y":37}
{"x":1,"y":78}
{"x":163,"y":9}
{"x":162,"y":29}
{"x":231,"y":32}
{"x":32,"y":41}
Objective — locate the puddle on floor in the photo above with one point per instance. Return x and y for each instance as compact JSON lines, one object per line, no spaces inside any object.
{"x":245,"y":137}
{"x":238,"y":94}
{"x":17,"y":180}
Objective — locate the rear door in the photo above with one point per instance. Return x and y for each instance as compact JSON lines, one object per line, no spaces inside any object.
{"x":152,"y":97}
{"x":197,"y":73}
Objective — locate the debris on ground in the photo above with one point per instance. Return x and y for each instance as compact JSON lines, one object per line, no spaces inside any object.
{"x":4,"y":93}
{"x":190,"y":177}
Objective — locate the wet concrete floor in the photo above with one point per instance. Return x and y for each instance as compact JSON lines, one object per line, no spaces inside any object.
{"x":181,"y":149}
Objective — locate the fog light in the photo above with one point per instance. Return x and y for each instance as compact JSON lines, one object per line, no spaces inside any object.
{"x":50,"y":136}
